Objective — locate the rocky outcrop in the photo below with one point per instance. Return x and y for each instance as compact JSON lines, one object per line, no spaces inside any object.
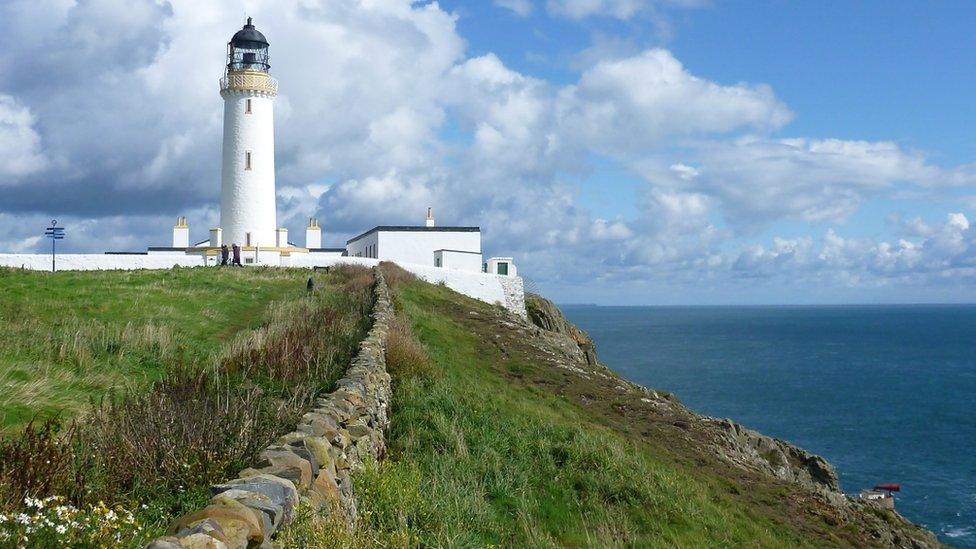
{"x":312,"y":463}
{"x":773,"y":456}
{"x":545,"y":315}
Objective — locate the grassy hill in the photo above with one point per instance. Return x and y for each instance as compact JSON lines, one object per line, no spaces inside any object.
{"x":69,"y":337}
{"x":505,"y":435}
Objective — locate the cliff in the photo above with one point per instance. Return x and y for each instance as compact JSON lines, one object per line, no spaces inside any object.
{"x":753,"y":454}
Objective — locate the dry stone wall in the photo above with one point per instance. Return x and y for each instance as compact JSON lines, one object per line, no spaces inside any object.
{"x":311,"y":464}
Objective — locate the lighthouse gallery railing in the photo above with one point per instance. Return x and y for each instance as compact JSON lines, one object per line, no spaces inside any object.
{"x":249,"y":81}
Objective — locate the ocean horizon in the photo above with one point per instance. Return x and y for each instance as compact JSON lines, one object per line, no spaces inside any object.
{"x":882,"y":391}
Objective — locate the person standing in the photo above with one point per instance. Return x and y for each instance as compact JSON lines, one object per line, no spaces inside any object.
{"x":224,"y":252}
{"x":237,"y":254}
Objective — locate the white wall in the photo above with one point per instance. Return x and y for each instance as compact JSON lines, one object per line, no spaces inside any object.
{"x":462,"y":261}
{"x":493,"y":265}
{"x":359,"y":247}
{"x":247,"y":197}
{"x":98,"y":262}
{"x":418,"y":247}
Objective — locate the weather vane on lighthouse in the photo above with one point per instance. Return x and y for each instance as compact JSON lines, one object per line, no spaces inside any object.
{"x":247,"y":184}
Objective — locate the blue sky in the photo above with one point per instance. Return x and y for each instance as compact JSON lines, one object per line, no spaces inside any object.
{"x":624,"y":151}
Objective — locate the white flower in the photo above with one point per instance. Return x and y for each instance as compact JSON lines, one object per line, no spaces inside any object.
{"x":23,"y":519}
{"x":61,"y":529}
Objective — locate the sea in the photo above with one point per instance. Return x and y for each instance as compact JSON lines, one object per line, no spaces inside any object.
{"x":886,"y":393}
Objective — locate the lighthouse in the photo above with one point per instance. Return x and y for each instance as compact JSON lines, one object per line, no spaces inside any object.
{"x":247,"y":179}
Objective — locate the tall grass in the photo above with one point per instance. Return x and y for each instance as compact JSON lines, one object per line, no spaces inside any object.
{"x":406,"y":357}
{"x":203,"y":421}
{"x":68,"y":337}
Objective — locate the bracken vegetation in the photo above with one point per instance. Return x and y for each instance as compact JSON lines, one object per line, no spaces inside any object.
{"x":155,"y":449}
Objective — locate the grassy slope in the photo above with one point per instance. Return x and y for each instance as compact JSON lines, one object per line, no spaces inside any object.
{"x":486,"y":452}
{"x":236,"y":356}
{"x":71,"y":336}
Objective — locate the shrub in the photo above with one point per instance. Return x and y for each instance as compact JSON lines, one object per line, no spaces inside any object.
{"x":40,"y":461}
{"x":356,"y":277}
{"x":406,"y":358}
{"x":395,"y":275}
{"x":190,"y":429}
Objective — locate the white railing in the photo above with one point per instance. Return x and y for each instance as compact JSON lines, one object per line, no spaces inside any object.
{"x":249,"y":82}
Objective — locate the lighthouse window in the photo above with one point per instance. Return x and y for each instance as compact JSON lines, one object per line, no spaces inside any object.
{"x":247,"y":107}
{"x":247,"y":160}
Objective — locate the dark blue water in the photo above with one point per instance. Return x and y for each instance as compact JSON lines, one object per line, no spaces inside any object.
{"x":886,"y":393}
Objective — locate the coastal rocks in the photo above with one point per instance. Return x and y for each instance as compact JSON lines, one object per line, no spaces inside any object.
{"x":558,"y":331}
{"x":312,"y":463}
{"x":779,"y":458}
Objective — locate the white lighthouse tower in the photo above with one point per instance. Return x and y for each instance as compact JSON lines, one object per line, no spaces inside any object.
{"x":247,"y":185}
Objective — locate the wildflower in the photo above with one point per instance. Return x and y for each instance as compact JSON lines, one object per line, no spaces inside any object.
{"x":23,"y":519}
{"x":61,"y":529}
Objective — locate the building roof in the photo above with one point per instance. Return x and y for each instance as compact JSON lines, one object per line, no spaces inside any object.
{"x":249,"y":38}
{"x":457,"y":251}
{"x":413,"y":228}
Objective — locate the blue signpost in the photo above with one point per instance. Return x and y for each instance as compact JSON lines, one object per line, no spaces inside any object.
{"x":55,"y":233}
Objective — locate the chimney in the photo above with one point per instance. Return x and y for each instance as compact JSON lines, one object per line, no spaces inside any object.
{"x":181,"y":233}
{"x":281,"y":237}
{"x":430,"y":217}
{"x":313,"y":234}
{"x":216,"y":237}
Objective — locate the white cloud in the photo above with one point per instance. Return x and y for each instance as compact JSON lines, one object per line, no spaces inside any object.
{"x":948,"y":252}
{"x":619,"y":9}
{"x":579,"y":9}
{"x":522,"y":8}
{"x":685,"y":172}
{"x":20,"y":144}
{"x":627,"y":106}
{"x":758,"y":180}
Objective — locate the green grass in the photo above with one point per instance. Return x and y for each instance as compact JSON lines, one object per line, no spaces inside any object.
{"x":207,"y":368}
{"x":67,"y":338}
{"x":477,"y":459}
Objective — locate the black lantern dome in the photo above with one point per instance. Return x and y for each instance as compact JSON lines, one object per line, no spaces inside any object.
{"x":248,"y":50}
